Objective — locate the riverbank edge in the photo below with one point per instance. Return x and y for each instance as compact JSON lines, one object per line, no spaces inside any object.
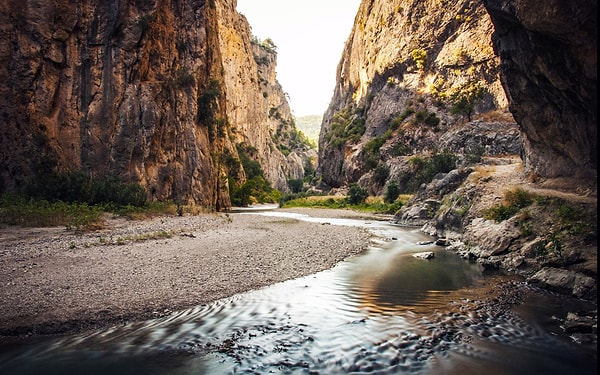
{"x":57,"y":282}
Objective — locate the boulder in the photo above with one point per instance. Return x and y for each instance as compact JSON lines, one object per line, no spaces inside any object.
{"x":424,"y":255}
{"x":562,"y":280}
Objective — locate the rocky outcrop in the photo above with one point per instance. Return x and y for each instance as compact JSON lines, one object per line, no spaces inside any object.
{"x":392,"y":107}
{"x":162,"y":93}
{"x":394,"y":60}
{"x":548,"y":53}
{"x":257,"y":107}
{"x":401,"y":65}
{"x":564,"y":281}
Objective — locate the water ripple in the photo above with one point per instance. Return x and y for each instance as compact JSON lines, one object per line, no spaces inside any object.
{"x":383,"y":312}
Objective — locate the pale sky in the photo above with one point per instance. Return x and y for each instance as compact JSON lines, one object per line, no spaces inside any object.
{"x":310,"y":37}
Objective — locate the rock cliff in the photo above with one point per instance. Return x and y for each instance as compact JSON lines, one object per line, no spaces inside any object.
{"x":409,"y":58}
{"x":511,"y":214}
{"x":548,"y":53}
{"x":410,"y":82}
{"x":163,"y":93}
{"x":403,"y":64}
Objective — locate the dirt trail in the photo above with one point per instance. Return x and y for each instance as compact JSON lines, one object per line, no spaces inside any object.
{"x":511,"y":175}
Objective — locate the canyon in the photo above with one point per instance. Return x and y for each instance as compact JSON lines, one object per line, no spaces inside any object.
{"x":167,"y":94}
{"x":174,"y":95}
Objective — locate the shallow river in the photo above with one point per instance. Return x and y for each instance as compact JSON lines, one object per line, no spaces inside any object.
{"x":381,"y":312}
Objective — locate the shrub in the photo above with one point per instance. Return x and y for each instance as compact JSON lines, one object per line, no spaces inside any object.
{"x":474,"y":154}
{"x":114,"y":191}
{"x":401,"y":149}
{"x":183,"y":78}
{"x":372,"y":147}
{"x":320,"y":201}
{"x":381,"y":173}
{"x":420,"y":116}
{"x":269,"y":45}
{"x":18,"y":210}
{"x":251,"y":167}
{"x":442,"y":162}
{"x":345,"y":127}
{"x":432,"y":120}
{"x":407,"y":112}
{"x":396,"y":122}
{"x":464,"y":99}
{"x":285,"y":150}
{"x":256,"y":188}
{"x":518,"y":197}
{"x":295,"y":184}
{"x":357,"y":194}
{"x":371,"y":162}
{"x":424,"y":169}
{"x":423,"y":116}
{"x":500,"y":212}
{"x":309,"y":169}
{"x":392,"y":192}
{"x":419,"y":56}
{"x":206,"y":101}
{"x":80,"y":187}
{"x":513,"y":202}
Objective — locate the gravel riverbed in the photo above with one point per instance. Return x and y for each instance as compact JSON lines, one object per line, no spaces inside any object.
{"x":55,"y":281}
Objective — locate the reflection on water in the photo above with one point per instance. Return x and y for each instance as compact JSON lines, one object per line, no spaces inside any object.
{"x":382,"y":312}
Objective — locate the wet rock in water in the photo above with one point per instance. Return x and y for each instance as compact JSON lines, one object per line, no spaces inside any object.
{"x":579,"y":323}
{"x":491,"y":263}
{"x":424,"y":255}
{"x":443,"y":242}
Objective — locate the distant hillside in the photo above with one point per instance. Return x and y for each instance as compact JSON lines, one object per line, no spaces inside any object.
{"x":310,"y":126}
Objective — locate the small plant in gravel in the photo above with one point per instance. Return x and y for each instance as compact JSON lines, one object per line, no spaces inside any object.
{"x":122,"y":240}
{"x":74,"y":216}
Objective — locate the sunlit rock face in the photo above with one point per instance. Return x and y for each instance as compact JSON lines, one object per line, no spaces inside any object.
{"x":549,"y":70}
{"x":381,"y":75}
{"x":157,"y":92}
{"x":257,"y":105}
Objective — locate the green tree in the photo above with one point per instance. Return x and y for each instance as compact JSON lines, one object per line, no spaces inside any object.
{"x":464,"y":99}
{"x":381,"y":173}
{"x":207,"y":104}
{"x":357,"y":194}
{"x":268,"y":44}
{"x":392,"y":192}
{"x":295,"y":184}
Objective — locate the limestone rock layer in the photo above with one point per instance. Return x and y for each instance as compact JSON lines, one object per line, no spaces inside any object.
{"x":157,"y":92}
